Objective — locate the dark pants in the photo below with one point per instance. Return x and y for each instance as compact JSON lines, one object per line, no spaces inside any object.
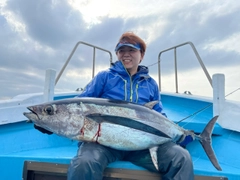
{"x":174,"y":162}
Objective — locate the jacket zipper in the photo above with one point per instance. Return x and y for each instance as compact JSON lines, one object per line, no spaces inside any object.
{"x":136,"y":92}
{"x":125,"y":89}
{"x":131,"y":91}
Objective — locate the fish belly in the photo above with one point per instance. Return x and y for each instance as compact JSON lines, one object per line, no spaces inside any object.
{"x":124,"y":138}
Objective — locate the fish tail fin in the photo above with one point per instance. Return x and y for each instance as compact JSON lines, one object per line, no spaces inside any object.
{"x":206,"y":142}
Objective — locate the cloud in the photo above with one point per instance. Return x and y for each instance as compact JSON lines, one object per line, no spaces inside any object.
{"x":229,"y":44}
{"x":49,"y":23}
{"x":40,"y":35}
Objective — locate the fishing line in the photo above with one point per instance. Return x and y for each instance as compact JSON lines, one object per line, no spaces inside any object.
{"x":195,"y":113}
{"x":200,"y":110}
{"x":152,"y":64}
{"x":232,"y":92}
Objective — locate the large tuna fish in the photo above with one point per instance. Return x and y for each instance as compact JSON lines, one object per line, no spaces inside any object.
{"x":116,"y":124}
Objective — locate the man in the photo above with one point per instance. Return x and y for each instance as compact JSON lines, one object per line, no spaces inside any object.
{"x":129,"y":81}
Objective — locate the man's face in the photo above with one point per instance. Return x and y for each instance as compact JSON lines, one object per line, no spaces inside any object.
{"x":130,"y":58}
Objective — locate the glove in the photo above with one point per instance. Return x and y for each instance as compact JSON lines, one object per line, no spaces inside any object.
{"x":186,"y":139}
{"x":42,"y":130}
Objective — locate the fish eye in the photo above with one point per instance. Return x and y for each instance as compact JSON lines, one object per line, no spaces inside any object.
{"x":49,"y":110}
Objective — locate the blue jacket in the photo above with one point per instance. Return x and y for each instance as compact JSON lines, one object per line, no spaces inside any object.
{"x":116,"y":83}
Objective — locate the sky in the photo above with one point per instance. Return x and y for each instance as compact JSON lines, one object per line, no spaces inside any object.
{"x":40,"y":35}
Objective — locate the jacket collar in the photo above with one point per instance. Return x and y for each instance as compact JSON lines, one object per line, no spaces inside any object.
{"x":119,"y":68}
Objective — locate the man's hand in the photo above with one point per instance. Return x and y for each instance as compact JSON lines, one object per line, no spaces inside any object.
{"x":42,"y":130}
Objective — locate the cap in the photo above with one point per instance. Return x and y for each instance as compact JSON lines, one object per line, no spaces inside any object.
{"x":121,"y":44}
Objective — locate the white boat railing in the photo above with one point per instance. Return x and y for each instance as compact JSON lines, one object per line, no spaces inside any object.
{"x":175,"y":63}
{"x":49,"y":85}
{"x":73,"y":51}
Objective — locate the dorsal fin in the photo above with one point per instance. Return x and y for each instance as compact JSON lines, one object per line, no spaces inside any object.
{"x":151,"y":104}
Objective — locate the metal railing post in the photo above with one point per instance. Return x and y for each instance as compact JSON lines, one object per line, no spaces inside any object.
{"x":48,"y":94}
{"x":93,"y":68}
{"x":71,"y":54}
{"x":175,"y":63}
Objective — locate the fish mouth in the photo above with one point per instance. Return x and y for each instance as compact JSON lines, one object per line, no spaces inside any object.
{"x":32,"y":115}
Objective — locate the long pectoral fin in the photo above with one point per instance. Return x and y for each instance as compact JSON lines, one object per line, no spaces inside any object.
{"x":124,"y":121}
{"x":153,"y":153}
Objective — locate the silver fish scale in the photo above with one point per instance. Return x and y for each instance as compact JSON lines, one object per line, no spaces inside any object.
{"x":146,"y":115}
{"x":116,"y":135}
{"x":109,"y":110}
